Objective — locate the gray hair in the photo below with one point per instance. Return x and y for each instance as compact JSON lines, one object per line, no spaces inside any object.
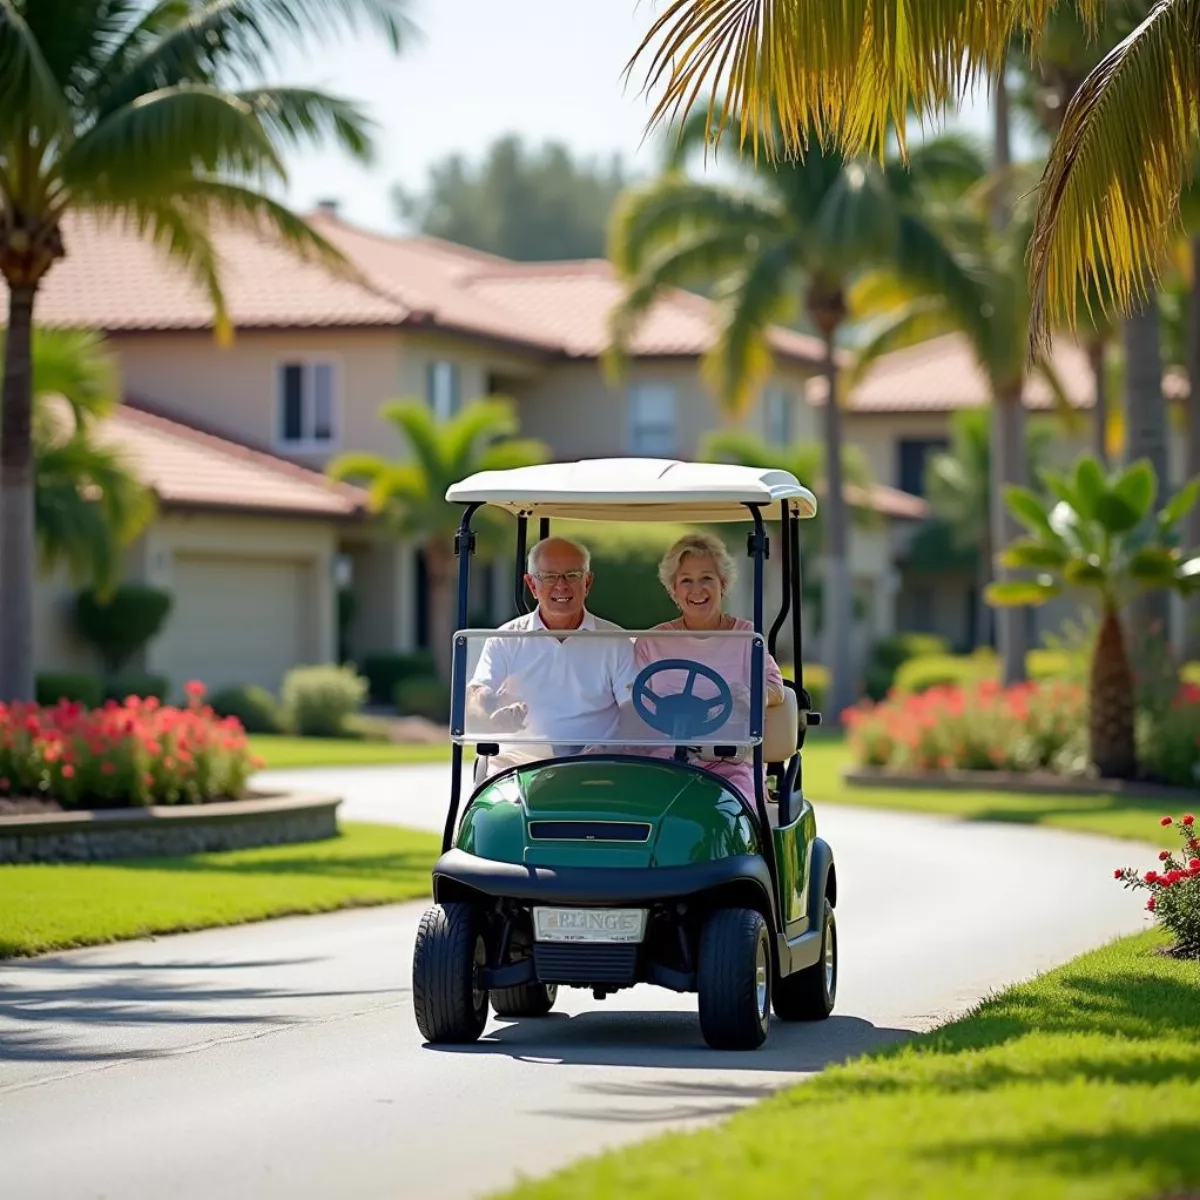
{"x":535,"y":552}
{"x":701,"y":545}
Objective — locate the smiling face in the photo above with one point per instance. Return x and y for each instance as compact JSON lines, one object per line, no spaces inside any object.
{"x":560,"y":585}
{"x":697,"y":591}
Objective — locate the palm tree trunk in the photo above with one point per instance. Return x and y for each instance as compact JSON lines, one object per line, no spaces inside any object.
{"x":1008,"y":467}
{"x":1191,"y":635}
{"x":983,"y":610}
{"x":1112,"y":745}
{"x":17,"y":559}
{"x":838,"y":602}
{"x":442,"y":614}
{"x":1095,"y":353}
{"x":1146,"y":422}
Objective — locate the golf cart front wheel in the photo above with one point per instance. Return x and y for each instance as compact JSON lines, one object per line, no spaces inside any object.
{"x":524,"y":1000}
{"x":734,"y":979}
{"x":809,"y":995}
{"x":449,"y":1000}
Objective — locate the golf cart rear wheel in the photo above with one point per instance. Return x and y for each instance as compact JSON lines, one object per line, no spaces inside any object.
{"x":809,"y":995}
{"x":734,"y":979}
{"x":450,"y":1003}
{"x":524,"y":1000}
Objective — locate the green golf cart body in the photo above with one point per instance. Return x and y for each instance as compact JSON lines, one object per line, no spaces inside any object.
{"x":633,"y":861}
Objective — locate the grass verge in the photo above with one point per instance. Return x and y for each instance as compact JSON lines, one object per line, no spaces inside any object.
{"x":283,"y":753}
{"x":54,"y":907}
{"x":1129,"y":817}
{"x":1083,"y":1084}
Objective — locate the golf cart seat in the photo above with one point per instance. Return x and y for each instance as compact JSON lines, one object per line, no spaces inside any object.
{"x":781,"y":733}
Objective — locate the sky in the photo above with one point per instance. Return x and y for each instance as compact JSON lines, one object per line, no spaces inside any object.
{"x":545,"y":69}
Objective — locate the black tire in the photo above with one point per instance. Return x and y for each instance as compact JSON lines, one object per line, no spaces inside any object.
{"x":734,"y":979}
{"x":450,"y":951}
{"x":809,"y":995}
{"x":524,"y":1000}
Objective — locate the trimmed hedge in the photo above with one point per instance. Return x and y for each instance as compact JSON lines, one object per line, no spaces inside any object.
{"x":891,"y":653}
{"x":423,"y":697}
{"x":318,"y":699}
{"x":255,"y":707}
{"x":144,"y":687}
{"x":87,"y":690}
{"x":384,"y":670}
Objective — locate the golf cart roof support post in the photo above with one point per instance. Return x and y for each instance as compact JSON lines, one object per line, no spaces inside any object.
{"x":519,"y":570}
{"x":758,"y":550}
{"x":797,"y":625}
{"x":543,"y":529}
{"x":785,"y":534}
{"x":464,"y":549}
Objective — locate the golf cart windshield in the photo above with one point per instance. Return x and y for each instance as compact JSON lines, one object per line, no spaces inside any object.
{"x":594,"y":690}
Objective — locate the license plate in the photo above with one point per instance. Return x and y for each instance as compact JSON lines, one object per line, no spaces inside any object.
{"x":589,"y":924}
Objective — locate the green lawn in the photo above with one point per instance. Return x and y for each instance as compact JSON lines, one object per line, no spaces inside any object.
{"x":1082,"y":1085}
{"x":1116,"y":816}
{"x":280,"y":752}
{"x":54,"y":907}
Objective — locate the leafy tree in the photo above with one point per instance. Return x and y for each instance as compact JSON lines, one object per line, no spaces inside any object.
{"x":530,"y":205}
{"x":410,"y":493}
{"x":958,"y":486}
{"x":842,"y":73}
{"x":798,"y":233}
{"x":1102,"y":534}
{"x":128,"y":109}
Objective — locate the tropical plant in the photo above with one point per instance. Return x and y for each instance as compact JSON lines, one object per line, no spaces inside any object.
{"x":1101,"y":534}
{"x":843,"y":73}
{"x":410,"y":493}
{"x":958,"y":486}
{"x":127,"y":109}
{"x":794,"y":237}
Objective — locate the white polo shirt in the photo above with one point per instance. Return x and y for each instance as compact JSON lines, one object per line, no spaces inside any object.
{"x":572,"y":687}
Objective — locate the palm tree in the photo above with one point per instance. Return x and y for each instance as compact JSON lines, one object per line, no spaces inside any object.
{"x":1102,"y":534}
{"x":128,"y":109}
{"x":410,"y":493}
{"x":958,"y":486}
{"x":795,"y":71}
{"x":799,"y":232}
{"x":88,"y":503}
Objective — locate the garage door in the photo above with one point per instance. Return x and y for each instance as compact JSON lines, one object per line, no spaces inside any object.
{"x":234,"y":621}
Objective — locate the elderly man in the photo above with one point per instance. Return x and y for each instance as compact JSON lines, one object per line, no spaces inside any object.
{"x":566,"y":690}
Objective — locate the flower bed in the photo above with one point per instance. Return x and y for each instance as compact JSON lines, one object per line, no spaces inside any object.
{"x":1174,"y":887}
{"x":137,"y":754}
{"x":981,"y":727}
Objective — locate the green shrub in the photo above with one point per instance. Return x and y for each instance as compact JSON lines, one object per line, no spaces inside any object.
{"x":384,"y":671}
{"x":816,"y":681}
{"x":87,"y":690}
{"x":253,"y":706}
{"x":429,"y":698}
{"x":1191,"y":673}
{"x":317,"y":700}
{"x":939,"y":670}
{"x":144,"y":687}
{"x":890,"y":653}
{"x":119,"y":628}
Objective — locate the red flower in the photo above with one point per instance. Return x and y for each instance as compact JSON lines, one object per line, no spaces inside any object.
{"x":107,"y":769}
{"x":1151,"y":876}
{"x":1167,"y":821}
{"x":1194,"y":865}
{"x":1118,"y":873}
{"x":68,"y":771}
{"x":1150,"y":904}
{"x":1163,"y":855}
{"x":1188,"y":819}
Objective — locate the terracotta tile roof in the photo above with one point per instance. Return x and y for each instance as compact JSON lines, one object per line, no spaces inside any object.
{"x":190,"y":469}
{"x":888,"y":501}
{"x":114,"y":279}
{"x":941,"y":375}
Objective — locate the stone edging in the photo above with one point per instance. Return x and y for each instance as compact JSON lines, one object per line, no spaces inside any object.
{"x":93,"y":835}
{"x":1038,"y":783}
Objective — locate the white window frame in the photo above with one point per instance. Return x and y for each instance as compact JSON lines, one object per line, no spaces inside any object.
{"x":779,"y":408}
{"x":449,"y":374}
{"x":639,"y":428}
{"x":308,"y":362}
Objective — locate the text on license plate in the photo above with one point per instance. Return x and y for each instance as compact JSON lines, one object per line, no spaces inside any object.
{"x":589,"y":924}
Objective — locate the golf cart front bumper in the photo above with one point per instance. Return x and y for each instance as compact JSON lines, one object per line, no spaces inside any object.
{"x":459,"y":876}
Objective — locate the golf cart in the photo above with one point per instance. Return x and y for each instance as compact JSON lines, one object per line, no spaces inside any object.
{"x":629,"y":859}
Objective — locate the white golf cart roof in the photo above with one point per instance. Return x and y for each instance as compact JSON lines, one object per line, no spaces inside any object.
{"x":636,"y":489}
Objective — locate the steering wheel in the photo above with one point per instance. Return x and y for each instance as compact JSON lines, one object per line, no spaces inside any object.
{"x":684,"y":716}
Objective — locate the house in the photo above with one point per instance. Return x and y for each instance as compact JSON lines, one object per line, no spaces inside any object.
{"x":314,"y":356}
{"x":899,"y":416}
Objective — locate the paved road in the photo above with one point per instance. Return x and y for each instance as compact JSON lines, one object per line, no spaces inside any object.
{"x":282,"y":1060}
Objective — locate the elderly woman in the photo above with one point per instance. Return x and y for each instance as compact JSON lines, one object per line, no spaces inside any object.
{"x":698,"y":575}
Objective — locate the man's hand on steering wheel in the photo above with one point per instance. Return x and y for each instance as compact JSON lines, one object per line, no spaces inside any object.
{"x":510,"y":718}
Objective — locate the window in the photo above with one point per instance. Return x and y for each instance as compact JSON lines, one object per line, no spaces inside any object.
{"x":777,"y":404}
{"x":306,"y":404}
{"x":443,"y":389}
{"x":652,"y":420}
{"x":912,"y":457}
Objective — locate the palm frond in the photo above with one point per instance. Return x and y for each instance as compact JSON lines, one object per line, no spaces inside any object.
{"x":473,"y":428}
{"x":417,"y":426}
{"x":1109,"y":200}
{"x":75,"y":365}
{"x":302,"y":115}
{"x":917,"y":321}
{"x":844,"y":73}
{"x":29,"y":92}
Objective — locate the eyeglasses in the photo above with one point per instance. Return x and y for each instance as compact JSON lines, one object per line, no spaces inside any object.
{"x":553,"y":577}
